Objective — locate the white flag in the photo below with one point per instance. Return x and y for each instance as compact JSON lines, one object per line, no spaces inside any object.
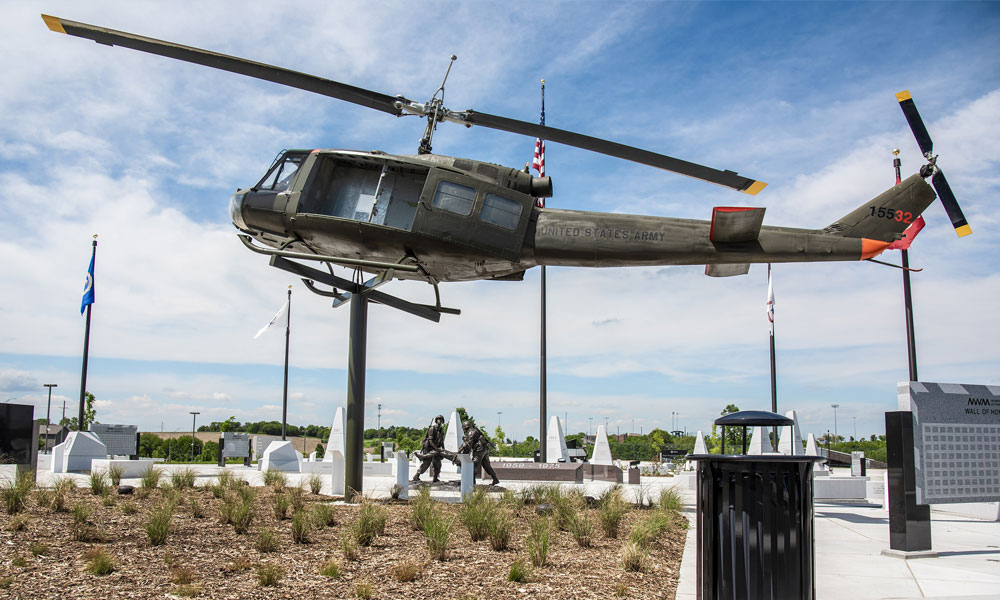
{"x":770,"y":301}
{"x":277,"y":317}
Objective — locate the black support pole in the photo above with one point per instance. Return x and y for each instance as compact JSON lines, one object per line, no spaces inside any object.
{"x":354,"y":434}
{"x":542,"y":390}
{"x":909,"y":522}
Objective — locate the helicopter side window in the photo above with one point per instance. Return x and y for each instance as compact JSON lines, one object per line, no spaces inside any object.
{"x":455,"y":198}
{"x":501,"y":211}
{"x":281,"y":174}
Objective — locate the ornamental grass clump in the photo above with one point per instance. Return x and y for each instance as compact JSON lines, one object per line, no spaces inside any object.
{"x":115,"y":474}
{"x":281,"y":502}
{"x":332,"y":569}
{"x":301,"y":526}
{"x":275,"y":479}
{"x":183,"y":478}
{"x":269,"y":575}
{"x":15,"y":492}
{"x":519,"y":572}
{"x":500,"y":529}
{"x":267,"y":540}
{"x":421,"y":508}
{"x":371,"y":522}
{"x":407,"y":571}
{"x":612,"y":508}
{"x":648,"y":530}
{"x":475,"y":514}
{"x":158,"y":524}
{"x":323,"y":516}
{"x":437,"y":530}
{"x":538,"y":541}
{"x":99,"y":562}
{"x":315,"y":483}
{"x":582,"y":528}
{"x":670,"y":500}
{"x":99,"y":484}
{"x":149,"y":479}
{"x":634,"y":557}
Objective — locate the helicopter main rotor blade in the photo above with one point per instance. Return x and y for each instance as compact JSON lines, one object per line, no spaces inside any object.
{"x":725,"y":178}
{"x":233,"y":64}
{"x":395,"y":105}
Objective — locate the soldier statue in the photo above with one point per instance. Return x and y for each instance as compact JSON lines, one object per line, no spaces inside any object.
{"x":479,"y":445}
{"x":432,"y":449}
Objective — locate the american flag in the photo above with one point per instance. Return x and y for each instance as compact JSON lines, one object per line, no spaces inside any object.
{"x":538,"y":163}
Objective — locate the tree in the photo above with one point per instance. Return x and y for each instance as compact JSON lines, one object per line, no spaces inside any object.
{"x":229,"y":424}
{"x":734,"y":435}
{"x":89,"y":414}
{"x":210,"y":452}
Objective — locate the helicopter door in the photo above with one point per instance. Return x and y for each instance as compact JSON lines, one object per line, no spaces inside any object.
{"x":471,"y":212}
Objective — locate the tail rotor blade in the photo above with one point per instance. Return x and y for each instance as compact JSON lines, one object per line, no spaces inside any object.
{"x":916,"y":123}
{"x":950,"y":204}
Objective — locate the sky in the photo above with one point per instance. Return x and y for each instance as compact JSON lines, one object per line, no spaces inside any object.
{"x":145,"y":152}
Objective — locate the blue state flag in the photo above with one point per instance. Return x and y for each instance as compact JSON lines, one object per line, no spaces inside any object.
{"x":88,"y":288}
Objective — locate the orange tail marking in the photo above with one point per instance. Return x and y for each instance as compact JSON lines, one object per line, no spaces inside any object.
{"x":872,"y":248}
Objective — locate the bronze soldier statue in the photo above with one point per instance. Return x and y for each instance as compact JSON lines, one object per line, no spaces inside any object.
{"x":479,"y":445}
{"x":432,"y":449}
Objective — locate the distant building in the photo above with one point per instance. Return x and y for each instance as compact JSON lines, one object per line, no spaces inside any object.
{"x":51,"y":435}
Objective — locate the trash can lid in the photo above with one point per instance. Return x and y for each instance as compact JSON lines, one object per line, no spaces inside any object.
{"x":749,"y":418}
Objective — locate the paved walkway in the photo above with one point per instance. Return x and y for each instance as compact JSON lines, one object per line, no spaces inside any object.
{"x":849,"y":539}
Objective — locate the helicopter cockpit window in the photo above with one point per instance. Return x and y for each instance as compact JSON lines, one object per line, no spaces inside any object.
{"x":281,"y":174}
{"x":502,"y":212}
{"x":455,"y":198}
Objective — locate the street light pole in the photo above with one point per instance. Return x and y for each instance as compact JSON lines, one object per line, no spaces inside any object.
{"x":379,"y":421}
{"x":194,"y":417}
{"x":48,"y":414}
{"x":590,"y":426}
{"x":835,"y":437}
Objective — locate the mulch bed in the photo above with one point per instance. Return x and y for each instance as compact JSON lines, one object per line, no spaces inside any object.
{"x":221,"y":564}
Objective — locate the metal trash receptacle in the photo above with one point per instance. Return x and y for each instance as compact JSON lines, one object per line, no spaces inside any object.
{"x":755,"y":523}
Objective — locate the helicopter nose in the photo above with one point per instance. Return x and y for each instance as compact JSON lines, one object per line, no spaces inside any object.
{"x":236,"y":210}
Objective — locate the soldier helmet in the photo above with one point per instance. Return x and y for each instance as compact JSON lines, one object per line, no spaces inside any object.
{"x":439,"y":419}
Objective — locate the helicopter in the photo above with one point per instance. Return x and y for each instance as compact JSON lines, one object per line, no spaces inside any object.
{"x":436,"y":218}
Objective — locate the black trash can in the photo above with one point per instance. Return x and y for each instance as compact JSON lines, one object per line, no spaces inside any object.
{"x":755,"y":521}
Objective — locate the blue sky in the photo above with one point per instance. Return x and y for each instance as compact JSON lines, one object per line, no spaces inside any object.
{"x":145,"y":152}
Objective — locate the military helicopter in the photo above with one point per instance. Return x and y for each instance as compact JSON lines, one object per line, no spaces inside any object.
{"x":437,"y":218}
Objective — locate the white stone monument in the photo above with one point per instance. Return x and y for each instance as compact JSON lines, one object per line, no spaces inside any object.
{"x":468,"y":474}
{"x":760,"y":443}
{"x":77,"y":452}
{"x":602,"y":449}
{"x":280,"y":456}
{"x":336,"y":441}
{"x":555,"y":442}
{"x":821,"y":468}
{"x":790,"y":442}
{"x":699,"y":444}
{"x":339,"y":471}
{"x":403,"y":475}
{"x":453,"y":439}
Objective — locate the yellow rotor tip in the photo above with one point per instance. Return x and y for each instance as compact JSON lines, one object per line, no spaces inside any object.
{"x":755,"y":187}
{"x":904,"y":95}
{"x":53,"y":23}
{"x":963,"y":231}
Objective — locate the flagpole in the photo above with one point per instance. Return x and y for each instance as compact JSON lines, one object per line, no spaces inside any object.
{"x":774,"y":370}
{"x":86,"y":339}
{"x":543,"y":385}
{"x":284,"y":396}
{"x":911,"y":348}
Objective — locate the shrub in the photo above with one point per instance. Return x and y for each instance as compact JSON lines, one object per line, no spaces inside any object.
{"x":183,"y":478}
{"x":149,"y":479}
{"x":226,"y":479}
{"x":100,"y":562}
{"x":269,"y":575}
{"x":538,"y":541}
{"x":646,"y":531}
{"x":267,"y":541}
{"x":196,"y":509}
{"x":300,"y":527}
{"x":15,"y":492}
{"x":363,"y":590}
{"x":108,"y":500}
{"x":158,"y":524}
{"x":407,"y":571}
{"x":315,"y":483}
{"x":81,"y":513}
{"x":633,"y":557}
{"x":98,"y":483}
{"x":296,"y":495}
{"x":519,"y":572}
{"x":115,"y":474}
{"x":437,"y":529}
{"x":129,"y":508}
{"x":218,"y":490}
{"x":331,"y":568}
{"x":242,"y":516}
{"x":323,"y":516}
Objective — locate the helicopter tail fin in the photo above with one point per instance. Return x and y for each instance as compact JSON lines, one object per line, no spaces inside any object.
{"x":885,"y":217}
